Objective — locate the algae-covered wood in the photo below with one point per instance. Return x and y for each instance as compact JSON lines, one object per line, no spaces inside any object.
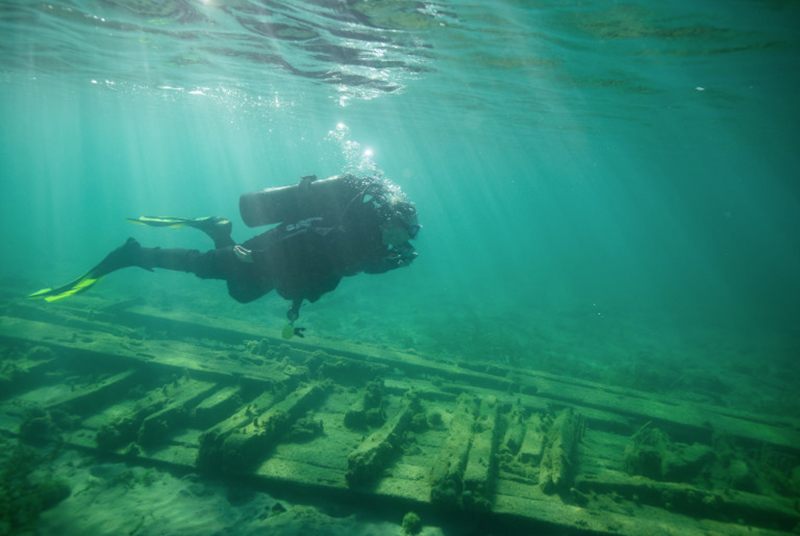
{"x":532,"y":449}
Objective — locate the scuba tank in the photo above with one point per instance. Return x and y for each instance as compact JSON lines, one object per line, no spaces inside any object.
{"x":286,"y":204}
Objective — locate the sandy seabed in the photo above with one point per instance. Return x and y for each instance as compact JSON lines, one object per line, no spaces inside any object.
{"x":116,"y":498}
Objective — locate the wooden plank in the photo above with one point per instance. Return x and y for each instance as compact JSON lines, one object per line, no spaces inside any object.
{"x":407,"y":482}
{"x":768,"y":512}
{"x":90,"y":396}
{"x":170,"y":353}
{"x":159,"y":426}
{"x":456,"y":465}
{"x":512,"y":501}
{"x":209,"y":457}
{"x":481,"y":467}
{"x":448,"y":470}
{"x":248,"y":445}
{"x":559,"y":454}
{"x":18,"y":373}
{"x":783,"y":432}
{"x":280,"y":469}
{"x":695,"y":417}
{"x":528,"y":403}
{"x":108,"y":316}
{"x":530,"y":451}
{"x":217,"y":406}
{"x":366,"y":463}
{"x":331,"y":448}
{"x":235,"y":331}
{"x":122,"y":423}
{"x":598,"y":520}
{"x":557,"y":383}
{"x":515,"y":430}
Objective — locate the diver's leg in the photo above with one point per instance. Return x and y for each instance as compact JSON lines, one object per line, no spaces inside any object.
{"x":246,"y":280}
{"x":218,"y":229}
{"x":213,"y":264}
{"x":245,"y":290}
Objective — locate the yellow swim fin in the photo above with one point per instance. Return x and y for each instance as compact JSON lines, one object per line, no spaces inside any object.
{"x":81,"y":284}
{"x":128,"y":254}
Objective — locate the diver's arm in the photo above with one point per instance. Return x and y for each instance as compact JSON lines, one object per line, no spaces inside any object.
{"x":294,"y":311}
{"x":290,"y":330}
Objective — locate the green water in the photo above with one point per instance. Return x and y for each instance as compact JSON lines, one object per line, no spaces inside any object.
{"x":603,"y":186}
{"x":596,"y":182}
{"x":608,"y":191}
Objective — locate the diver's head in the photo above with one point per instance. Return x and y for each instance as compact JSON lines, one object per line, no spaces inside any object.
{"x":401,"y":225}
{"x":397,"y":214}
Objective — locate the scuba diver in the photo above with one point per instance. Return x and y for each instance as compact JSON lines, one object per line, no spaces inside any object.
{"x":327,"y":229}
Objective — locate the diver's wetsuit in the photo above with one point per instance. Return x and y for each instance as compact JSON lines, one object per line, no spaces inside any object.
{"x":303,"y":259}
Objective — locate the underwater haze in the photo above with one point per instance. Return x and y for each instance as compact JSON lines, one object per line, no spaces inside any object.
{"x":608,"y":190}
{"x":606,"y":169}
